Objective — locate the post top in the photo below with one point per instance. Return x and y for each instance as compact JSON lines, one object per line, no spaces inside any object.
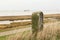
{"x":38,"y":13}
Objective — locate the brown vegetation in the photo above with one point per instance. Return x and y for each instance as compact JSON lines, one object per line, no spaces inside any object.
{"x":11,"y":18}
{"x":52,"y":16}
{"x":50,"y":32}
{"x":16,"y":24}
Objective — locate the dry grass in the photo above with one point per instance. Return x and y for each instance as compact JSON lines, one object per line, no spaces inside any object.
{"x":50,"y":32}
{"x":17,"y":24}
{"x":52,"y":16}
{"x":11,"y":18}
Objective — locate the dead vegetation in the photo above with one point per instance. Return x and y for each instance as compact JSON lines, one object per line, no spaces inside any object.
{"x":16,"y":24}
{"x":12,"y":18}
{"x":50,"y":32}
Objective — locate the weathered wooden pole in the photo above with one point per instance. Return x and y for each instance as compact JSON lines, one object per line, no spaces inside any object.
{"x":37,"y":23}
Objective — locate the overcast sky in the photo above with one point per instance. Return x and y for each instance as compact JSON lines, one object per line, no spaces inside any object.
{"x":30,"y":4}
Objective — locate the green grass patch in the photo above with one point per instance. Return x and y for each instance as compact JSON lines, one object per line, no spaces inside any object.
{"x":3,"y":38}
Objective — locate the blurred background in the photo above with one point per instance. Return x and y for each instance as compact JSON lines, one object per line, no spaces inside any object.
{"x":26,"y":7}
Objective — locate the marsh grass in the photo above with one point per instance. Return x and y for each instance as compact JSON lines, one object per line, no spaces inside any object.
{"x":50,"y":32}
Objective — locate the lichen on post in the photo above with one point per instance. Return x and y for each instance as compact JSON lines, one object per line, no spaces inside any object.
{"x":37,"y":22}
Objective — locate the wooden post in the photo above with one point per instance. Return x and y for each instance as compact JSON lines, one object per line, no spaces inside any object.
{"x":37,"y":23}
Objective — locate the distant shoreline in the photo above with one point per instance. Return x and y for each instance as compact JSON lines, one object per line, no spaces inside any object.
{"x":23,"y":13}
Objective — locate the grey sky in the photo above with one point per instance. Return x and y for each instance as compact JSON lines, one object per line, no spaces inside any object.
{"x":30,"y":4}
